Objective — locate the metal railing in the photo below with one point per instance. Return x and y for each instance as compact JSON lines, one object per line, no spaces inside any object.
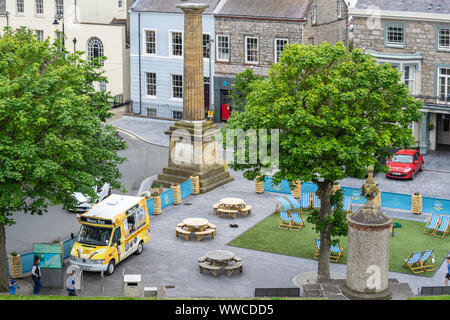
{"x":157,"y":111}
{"x":433,"y":101}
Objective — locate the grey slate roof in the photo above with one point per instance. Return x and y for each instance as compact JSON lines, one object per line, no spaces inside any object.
{"x":424,"y":6}
{"x":285,"y":9}
{"x":170,"y":5}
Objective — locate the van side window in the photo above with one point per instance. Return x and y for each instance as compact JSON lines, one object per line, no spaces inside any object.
{"x":131,"y":224}
{"x":117,"y":235}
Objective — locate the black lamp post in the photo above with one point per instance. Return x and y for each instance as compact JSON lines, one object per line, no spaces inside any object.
{"x":56,"y":22}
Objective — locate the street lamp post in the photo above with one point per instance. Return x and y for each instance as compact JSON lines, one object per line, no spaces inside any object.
{"x":56,"y":22}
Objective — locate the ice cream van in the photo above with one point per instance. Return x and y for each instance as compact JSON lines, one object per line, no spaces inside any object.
{"x":111,"y":231}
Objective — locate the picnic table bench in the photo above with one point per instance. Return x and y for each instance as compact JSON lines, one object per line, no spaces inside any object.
{"x":231,"y":268}
{"x":221,"y":212}
{"x":201,"y":234}
{"x":209,"y":267}
{"x":185,"y":233}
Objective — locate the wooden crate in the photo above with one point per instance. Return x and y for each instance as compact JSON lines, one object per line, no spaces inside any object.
{"x":259,"y":185}
{"x":15,"y":266}
{"x":416,"y":204}
{"x":195,"y":184}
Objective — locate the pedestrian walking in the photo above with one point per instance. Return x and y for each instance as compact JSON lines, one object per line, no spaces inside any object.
{"x":36,"y":275}
{"x":12,"y":287}
{"x":448,"y":271}
{"x":71,"y":284}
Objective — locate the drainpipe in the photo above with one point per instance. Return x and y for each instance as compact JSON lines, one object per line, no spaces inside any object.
{"x":140,"y":78}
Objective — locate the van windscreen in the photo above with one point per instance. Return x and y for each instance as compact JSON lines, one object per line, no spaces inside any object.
{"x":94,"y":235}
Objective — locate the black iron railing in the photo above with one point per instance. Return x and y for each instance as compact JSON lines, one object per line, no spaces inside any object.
{"x":440,"y":102}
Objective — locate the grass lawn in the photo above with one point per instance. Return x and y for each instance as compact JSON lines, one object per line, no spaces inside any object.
{"x":265,"y":236}
{"x":44,"y":297}
{"x":430,"y":298}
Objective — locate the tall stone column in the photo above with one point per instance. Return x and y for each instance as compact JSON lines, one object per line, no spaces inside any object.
{"x":425,"y":138}
{"x":193,"y":148}
{"x":193,"y":95}
{"x":368,"y":249}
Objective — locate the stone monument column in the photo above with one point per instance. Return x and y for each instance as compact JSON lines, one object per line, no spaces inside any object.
{"x":193,"y":148}
{"x":368,"y":249}
{"x":193,"y":95}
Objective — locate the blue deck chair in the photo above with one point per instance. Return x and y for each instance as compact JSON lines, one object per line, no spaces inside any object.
{"x":432,"y":224}
{"x":427,"y":260}
{"x":335,"y":252}
{"x":306,"y":202}
{"x":285,"y":221}
{"x":414,"y":262}
{"x":316,"y":201}
{"x":296,"y":221}
{"x":444,"y":226}
{"x":282,"y":204}
{"x":295,"y":205}
{"x":348,"y":204}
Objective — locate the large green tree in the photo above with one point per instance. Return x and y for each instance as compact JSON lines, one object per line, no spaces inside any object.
{"x":52,"y":141}
{"x":335,"y":111}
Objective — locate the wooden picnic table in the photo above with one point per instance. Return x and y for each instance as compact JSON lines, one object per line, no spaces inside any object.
{"x":220,"y":257}
{"x":196,"y":224}
{"x":233,"y":203}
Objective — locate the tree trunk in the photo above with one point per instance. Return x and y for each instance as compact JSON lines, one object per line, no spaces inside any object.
{"x":324,"y":193}
{"x":3,"y":263}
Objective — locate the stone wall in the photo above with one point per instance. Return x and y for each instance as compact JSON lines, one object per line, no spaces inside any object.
{"x":420,"y":36}
{"x":329,"y":26}
{"x":266,"y":31}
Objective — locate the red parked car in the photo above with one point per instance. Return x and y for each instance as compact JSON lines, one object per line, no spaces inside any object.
{"x":405,"y":164}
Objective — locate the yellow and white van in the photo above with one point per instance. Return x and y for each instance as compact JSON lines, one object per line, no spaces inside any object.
{"x":111,"y":231}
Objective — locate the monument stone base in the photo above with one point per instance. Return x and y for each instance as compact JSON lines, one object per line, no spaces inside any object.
{"x":354,"y":295}
{"x":194,"y":138}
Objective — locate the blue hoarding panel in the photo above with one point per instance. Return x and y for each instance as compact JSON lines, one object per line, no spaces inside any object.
{"x":186,"y":188}
{"x":166,"y":198}
{"x":283,"y":187}
{"x":150,"y":206}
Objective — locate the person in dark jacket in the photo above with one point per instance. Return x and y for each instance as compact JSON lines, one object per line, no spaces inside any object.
{"x":36,"y":275}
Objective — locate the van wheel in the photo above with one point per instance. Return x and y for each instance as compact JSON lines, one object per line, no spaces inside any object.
{"x":110,"y":269}
{"x":140,"y":248}
{"x":421,"y":167}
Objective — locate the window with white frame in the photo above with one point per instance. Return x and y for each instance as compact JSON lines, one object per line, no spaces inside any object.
{"x":395,"y":34}
{"x":206,"y":41}
{"x":95,"y":48}
{"x":20,"y":6}
{"x":120,"y":3}
{"x":444,"y":84}
{"x":444,"y":38}
{"x":102,"y":86}
{"x":314,"y":15}
{"x":339,"y":9}
{"x":177,"y":86}
{"x":409,"y":77}
{"x":150,"y":41}
{"x":40,"y":35}
{"x":251,"y":50}
{"x":177,"y":114}
{"x":279,"y":47}
{"x":151,"y":112}
{"x":150,"y":83}
{"x":59,"y":6}
{"x":177,"y":43}
{"x":39,"y":6}
{"x":223,"y":48}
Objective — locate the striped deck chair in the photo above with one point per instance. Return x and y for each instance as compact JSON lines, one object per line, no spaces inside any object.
{"x":282,"y":204}
{"x":285,"y":221}
{"x":296,"y":221}
{"x":335,"y":252}
{"x":444,"y":226}
{"x":295,"y":205}
{"x":315,"y":201}
{"x":414,"y":262}
{"x":348,"y":204}
{"x":427,"y":260}
{"x":432,"y":224}
{"x":306,"y":202}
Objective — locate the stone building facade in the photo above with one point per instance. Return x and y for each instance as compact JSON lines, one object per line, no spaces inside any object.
{"x":253,"y":35}
{"x":413,"y":37}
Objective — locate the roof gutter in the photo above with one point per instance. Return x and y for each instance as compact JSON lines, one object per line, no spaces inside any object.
{"x":399,"y":15}
{"x":260,"y":18}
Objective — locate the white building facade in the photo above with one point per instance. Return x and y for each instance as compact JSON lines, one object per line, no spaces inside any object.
{"x":97,"y":28}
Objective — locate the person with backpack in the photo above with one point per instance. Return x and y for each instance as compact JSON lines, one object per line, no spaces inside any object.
{"x":36,"y":275}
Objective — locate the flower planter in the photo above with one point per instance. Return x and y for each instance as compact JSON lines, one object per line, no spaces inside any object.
{"x":195,"y":184}
{"x":297,"y":190}
{"x":15,"y":266}
{"x":158,"y":190}
{"x":176,"y":194}
{"x":259,"y":185}
{"x":156,"y":205}
{"x":416,"y":203}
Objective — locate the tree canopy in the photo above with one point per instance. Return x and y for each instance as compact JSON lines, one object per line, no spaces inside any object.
{"x":335,"y":111}
{"x":52,"y":142}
